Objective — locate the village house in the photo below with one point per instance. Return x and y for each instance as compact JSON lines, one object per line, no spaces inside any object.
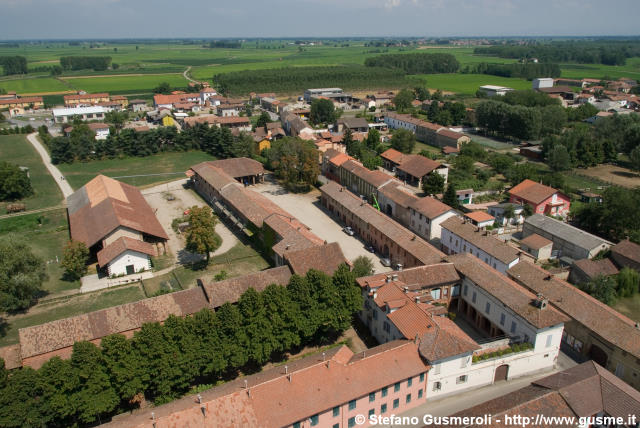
{"x":294,"y":125}
{"x":568,"y":241}
{"x":584,"y":392}
{"x":480,"y":219}
{"x":542,"y":199}
{"x":100,"y":129}
{"x":539,"y":247}
{"x":138,"y":105}
{"x":596,"y":331}
{"x":410,"y":168}
{"x":17,"y":106}
{"x":332,"y":160}
{"x":498,"y":212}
{"x":354,"y":124}
{"x":427,"y":132}
{"x":626,"y":254}
{"x":85,"y":100}
{"x":585,"y":270}
{"x":460,"y":236}
{"x":361,"y":180}
{"x":242,"y":124}
{"x":227,"y":110}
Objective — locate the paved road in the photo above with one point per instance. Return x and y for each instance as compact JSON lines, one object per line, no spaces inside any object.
{"x":64,"y":186}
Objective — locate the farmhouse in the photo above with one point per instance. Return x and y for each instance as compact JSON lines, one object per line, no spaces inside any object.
{"x":354,"y":124}
{"x":17,"y":106}
{"x":294,"y":125}
{"x":427,"y":132}
{"x":85,"y":100}
{"x":100,"y":129}
{"x":413,"y":169}
{"x":537,"y":246}
{"x":626,"y":253}
{"x":242,"y":124}
{"x":118,"y":226}
{"x":585,"y":270}
{"x":543,"y":199}
{"x":567,"y":240}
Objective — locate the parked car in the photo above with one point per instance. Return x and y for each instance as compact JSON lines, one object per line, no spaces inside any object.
{"x":385,"y":262}
{"x":370,"y":248}
{"x":348,"y":231}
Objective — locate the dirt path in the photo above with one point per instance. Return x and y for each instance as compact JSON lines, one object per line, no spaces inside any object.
{"x":64,"y":186}
{"x":116,"y":75}
{"x":612,"y":174}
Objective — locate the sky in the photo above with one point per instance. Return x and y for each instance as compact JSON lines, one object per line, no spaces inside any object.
{"x":83,"y":19}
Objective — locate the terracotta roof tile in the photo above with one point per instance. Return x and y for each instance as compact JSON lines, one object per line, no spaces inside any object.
{"x":532,"y":192}
{"x":480,"y":216}
{"x":238,"y":167}
{"x":593,"y":268}
{"x":445,"y":340}
{"x":418,"y":165}
{"x":535,"y":241}
{"x":627,"y":249}
{"x":475,"y":236}
{"x":393,"y":155}
{"x":122,"y":244}
{"x":325,"y":258}
{"x":430,"y":207}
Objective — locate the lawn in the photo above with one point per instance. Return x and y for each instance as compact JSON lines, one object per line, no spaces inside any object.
{"x":468,"y":84}
{"x":68,"y":307}
{"x":168,"y":166}
{"x":16,"y":149}
{"x":629,"y":306}
{"x":46,"y":234}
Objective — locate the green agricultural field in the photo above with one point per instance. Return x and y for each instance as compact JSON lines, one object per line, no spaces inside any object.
{"x":34,"y":85}
{"x":76,"y":305}
{"x":16,"y":149}
{"x":125,"y":84}
{"x":596,"y":71}
{"x":468,"y":84}
{"x":168,"y":166}
{"x":46,"y":234}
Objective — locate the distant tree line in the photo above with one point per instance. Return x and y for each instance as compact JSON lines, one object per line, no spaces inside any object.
{"x":420,"y":63}
{"x":527,"y":70}
{"x":97,"y":63}
{"x":228,"y":44}
{"x":295,"y":79}
{"x":596,"y":52}
{"x":164,"y":361}
{"x":13,"y":65}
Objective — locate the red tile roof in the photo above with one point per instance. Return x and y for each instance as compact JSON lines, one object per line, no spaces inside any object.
{"x":325,"y":258}
{"x":532,"y":192}
{"x":593,"y":268}
{"x":535,"y":241}
{"x":480,"y":216}
{"x":174,"y":98}
{"x":393,"y":155}
{"x":104,"y":204}
{"x":445,"y":340}
{"x":238,"y":167}
{"x":417,"y":165}
{"x":430,"y":207}
{"x":85,"y":96}
{"x":122,"y":244}
{"x":627,"y":249}
{"x":22,"y":100}
{"x":475,"y":236}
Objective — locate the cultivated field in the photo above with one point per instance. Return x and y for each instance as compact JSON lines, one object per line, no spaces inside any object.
{"x":613,"y":174}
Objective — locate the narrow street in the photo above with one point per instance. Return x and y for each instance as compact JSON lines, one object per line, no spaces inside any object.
{"x":62,"y":183}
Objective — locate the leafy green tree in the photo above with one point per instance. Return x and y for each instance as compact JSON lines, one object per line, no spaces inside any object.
{"x":263,"y":119}
{"x":602,"y":288}
{"x":509,"y":212}
{"x":559,"y":159}
{"x":403,"y":140}
{"x":628,"y":282}
{"x":74,"y":259}
{"x":421,"y":93}
{"x":434,"y":183}
{"x":450,"y":196}
{"x":59,"y":384}
{"x":124,"y":368}
{"x":370,"y":159}
{"x":322,"y":111}
{"x":520,"y":172}
{"x":116,"y":118}
{"x":403,"y":99}
{"x":527,"y":210}
{"x":20,"y":400}
{"x":14,"y":183}
{"x":162,"y":88}
{"x":21,"y":275}
{"x":201,"y":234}
{"x":554,"y":119}
{"x":261,"y":342}
{"x":283,"y":316}
{"x":634,"y":158}
{"x":362,"y":266}
{"x":373,"y":139}
{"x":352,"y":146}
{"x":464,"y":164}
{"x":295,"y":161}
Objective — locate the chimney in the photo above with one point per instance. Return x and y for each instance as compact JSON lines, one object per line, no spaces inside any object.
{"x":413,"y":238}
{"x":388,"y":279}
{"x":375,"y":294}
{"x":394,"y":277}
{"x":417,"y":299}
{"x":286,"y":370}
{"x":406,"y":289}
{"x":199,"y":399}
{"x":246,"y":384}
{"x":638,"y":325}
{"x":324,"y":356}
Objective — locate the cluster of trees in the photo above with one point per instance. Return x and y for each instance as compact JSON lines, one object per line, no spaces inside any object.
{"x":587,"y":52}
{"x":97,"y":63}
{"x":201,"y":234}
{"x":323,"y":111}
{"x":164,"y":361}
{"x":449,"y":113}
{"x":17,"y":130}
{"x":529,"y":98}
{"x":616,"y":218}
{"x":295,"y":161}
{"x":292,"y":79}
{"x":74,"y":259}
{"x":81,"y":145}
{"x":417,"y":63}
{"x":227,"y":44}
{"x":521,"y":122}
{"x":528,"y":70}
{"x":21,"y":276}
{"x":403,"y":140}
{"x":367,"y":151}
{"x":13,"y":65}
{"x":14,"y":182}
{"x":608,"y":289}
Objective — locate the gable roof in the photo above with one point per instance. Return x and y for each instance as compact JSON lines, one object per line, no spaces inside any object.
{"x":354,"y":122}
{"x":532,"y":192}
{"x":416,"y":278}
{"x":418,"y":165}
{"x":229,"y":290}
{"x":63,"y":333}
{"x":487,"y":243}
{"x":446,"y":340}
{"x":603,"y":320}
{"x":535,"y":241}
{"x":480,"y":216}
{"x":566,"y":231}
{"x":430,"y":207}
{"x":122,"y":244}
{"x":593,"y":268}
{"x":325,"y":258}
{"x":238,"y":167}
{"x":393,"y":155}
{"x":504,"y":289}
{"x":627,"y":249}
{"x":104,"y":204}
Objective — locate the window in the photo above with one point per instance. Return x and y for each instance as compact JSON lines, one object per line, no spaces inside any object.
{"x":464,"y":247}
{"x":375,"y":314}
{"x":549,"y":339}
{"x":494,"y":265}
{"x":487,"y":308}
{"x":450,"y":239}
{"x":435,"y":293}
{"x":620,"y":370}
{"x":513,"y":326}
{"x":455,"y":291}
{"x":372,"y":397}
{"x":336,"y":411}
{"x":396,"y":403}
{"x":461,"y":379}
{"x":352,"y":422}
{"x":577,"y":346}
{"x":408,"y":399}
{"x":437,"y":386}
{"x":396,"y":387}
{"x":383,"y":408}
{"x":386,"y":327}
{"x":385,"y":390}
{"x":420,"y":394}
{"x":314,"y":420}
{"x":421,"y":377}
{"x":336,"y":425}
{"x":502,"y":319}
{"x":436,"y":369}
{"x":352,"y":404}
{"x":473,"y":298}
{"x":372,"y":412}
{"x":409,"y":382}
{"x":466,"y":289}
{"x":296,"y":425}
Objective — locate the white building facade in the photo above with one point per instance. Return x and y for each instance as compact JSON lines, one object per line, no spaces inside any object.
{"x":129,"y":262}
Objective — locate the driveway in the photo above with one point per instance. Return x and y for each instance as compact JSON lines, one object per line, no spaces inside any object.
{"x":307,"y":209}
{"x":167,"y":210}
{"x":65,"y":188}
